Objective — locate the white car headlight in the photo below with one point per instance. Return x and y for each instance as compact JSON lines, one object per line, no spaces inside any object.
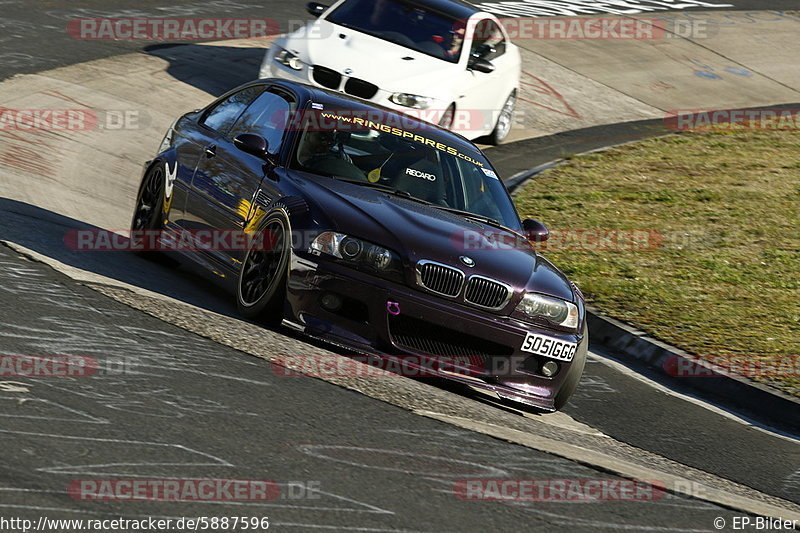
{"x":412,"y":100}
{"x":288,"y":59}
{"x":538,"y":306}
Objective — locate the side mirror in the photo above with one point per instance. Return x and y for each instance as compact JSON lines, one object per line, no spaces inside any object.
{"x":251,"y":144}
{"x":480,"y":65}
{"x":535,"y":230}
{"x":315,"y":8}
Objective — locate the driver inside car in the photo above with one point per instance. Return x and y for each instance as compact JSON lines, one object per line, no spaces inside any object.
{"x":323,"y":151}
{"x":452,"y":46}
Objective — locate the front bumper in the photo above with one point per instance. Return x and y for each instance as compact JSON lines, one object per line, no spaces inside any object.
{"x":427,"y":327}
{"x":272,"y":69}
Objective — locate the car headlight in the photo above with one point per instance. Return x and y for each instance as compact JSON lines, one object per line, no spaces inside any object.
{"x":537,"y":306}
{"x":288,"y":59}
{"x":358,"y":254}
{"x":412,"y":100}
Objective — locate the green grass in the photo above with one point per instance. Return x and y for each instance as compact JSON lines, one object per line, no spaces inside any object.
{"x":725,"y":280}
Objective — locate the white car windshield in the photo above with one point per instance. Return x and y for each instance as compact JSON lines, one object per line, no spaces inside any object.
{"x":412,"y":161}
{"x":405,"y":24}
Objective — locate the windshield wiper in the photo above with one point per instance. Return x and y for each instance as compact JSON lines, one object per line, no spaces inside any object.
{"x":473,"y":216}
{"x":470,"y":214}
{"x":480,"y":218}
{"x":381,"y":187}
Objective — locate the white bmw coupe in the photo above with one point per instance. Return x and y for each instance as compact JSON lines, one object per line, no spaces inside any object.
{"x":443,"y":61}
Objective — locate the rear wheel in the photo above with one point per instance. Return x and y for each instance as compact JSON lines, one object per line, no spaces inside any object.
{"x":261,"y":290}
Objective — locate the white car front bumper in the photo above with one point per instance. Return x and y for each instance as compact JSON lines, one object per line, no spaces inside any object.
{"x":273,"y":69}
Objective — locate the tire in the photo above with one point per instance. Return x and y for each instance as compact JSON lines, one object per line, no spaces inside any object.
{"x":503,"y":125}
{"x":574,"y":373}
{"x":148,"y":215}
{"x":449,"y":114}
{"x":261,"y":287}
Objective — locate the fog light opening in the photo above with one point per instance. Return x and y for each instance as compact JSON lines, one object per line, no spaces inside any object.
{"x":330,"y":301}
{"x":549,"y":369}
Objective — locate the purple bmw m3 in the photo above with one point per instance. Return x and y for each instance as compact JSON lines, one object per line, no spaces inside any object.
{"x":386,"y":235}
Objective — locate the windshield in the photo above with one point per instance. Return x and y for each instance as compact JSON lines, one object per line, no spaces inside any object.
{"x":408,"y":25}
{"x":342,"y":145}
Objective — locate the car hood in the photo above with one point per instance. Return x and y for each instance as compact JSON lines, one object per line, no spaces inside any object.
{"x":418,"y":231}
{"x":390,"y":66}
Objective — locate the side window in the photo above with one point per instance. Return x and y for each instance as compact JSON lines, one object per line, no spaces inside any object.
{"x":224,"y":114}
{"x":267,"y":116}
{"x":488,"y":42}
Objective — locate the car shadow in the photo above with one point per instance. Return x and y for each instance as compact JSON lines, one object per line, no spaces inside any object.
{"x":48,"y":233}
{"x":210,"y":68}
{"x":53,"y":235}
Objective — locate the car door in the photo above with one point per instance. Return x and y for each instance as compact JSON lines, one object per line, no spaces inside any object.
{"x":198,"y":133}
{"x":226,"y":178}
{"x":178,"y":173}
{"x":484,"y":93}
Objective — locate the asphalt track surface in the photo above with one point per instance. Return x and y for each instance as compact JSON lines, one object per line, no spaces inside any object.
{"x":175,"y":405}
{"x":180,"y":405}
{"x":171,"y":390}
{"x":34,"y":36}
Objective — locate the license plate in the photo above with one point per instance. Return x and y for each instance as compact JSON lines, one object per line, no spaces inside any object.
{"x":549,"y":347}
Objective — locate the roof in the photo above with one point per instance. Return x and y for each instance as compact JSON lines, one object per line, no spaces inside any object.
{"x":454,"y":8}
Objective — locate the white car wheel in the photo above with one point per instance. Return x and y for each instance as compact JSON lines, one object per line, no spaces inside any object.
{"x":503,"y":125}
{"x":446,"y":121}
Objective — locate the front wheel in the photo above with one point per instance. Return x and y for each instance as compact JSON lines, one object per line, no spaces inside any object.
{"x":150,"y":201}
{"x":503,"y":125}
{"x":449,"y":114}
{"x":261,"y":289}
